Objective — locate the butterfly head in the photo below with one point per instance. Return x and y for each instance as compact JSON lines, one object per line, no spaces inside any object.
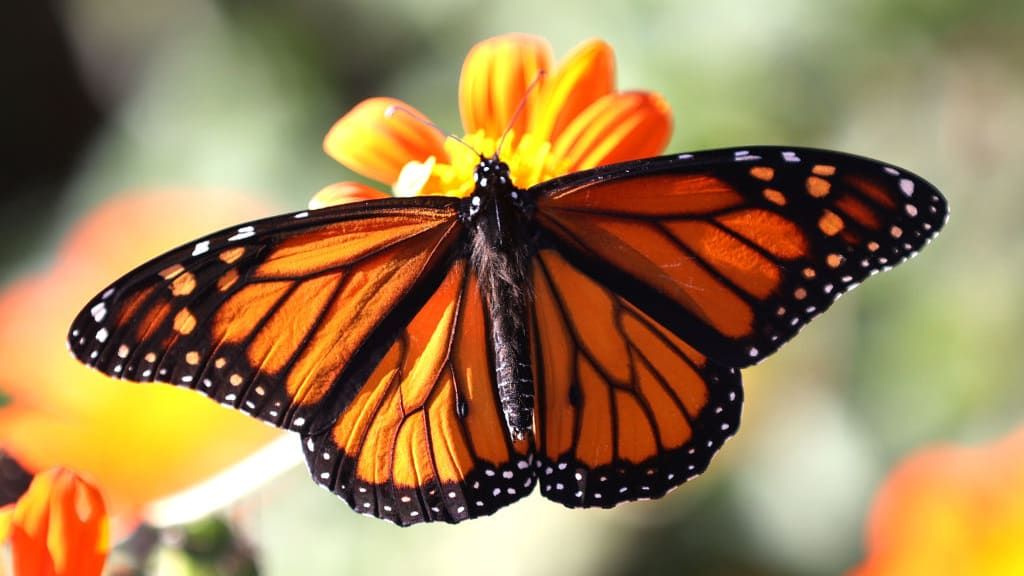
{"x":494,"y":190}
{"x":492,"y":173}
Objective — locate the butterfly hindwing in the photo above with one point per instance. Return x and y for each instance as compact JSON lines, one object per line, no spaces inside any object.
{"x":625,"y":409}
{"x":736,"y":250}
{"x":424,"y":438}
{"x":269,"y":316}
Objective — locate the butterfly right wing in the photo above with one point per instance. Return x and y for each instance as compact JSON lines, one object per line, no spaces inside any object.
{"x":626,"y":410}
{"x":735,"y":250}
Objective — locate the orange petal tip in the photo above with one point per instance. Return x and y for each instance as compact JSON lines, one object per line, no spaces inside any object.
{"x":344,"y":193}
{"x":380,"y":136}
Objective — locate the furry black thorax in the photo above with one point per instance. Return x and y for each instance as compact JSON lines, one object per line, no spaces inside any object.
{"x":498,"y":216}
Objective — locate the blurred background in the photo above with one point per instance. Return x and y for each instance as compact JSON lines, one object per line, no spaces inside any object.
{"x":104,"y":98}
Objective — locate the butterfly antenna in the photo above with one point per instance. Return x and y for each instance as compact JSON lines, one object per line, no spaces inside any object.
{"x":519,"y":109}
{"x":394,"y":109}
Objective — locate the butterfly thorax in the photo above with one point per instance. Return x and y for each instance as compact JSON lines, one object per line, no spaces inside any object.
{"x":496,"y":215}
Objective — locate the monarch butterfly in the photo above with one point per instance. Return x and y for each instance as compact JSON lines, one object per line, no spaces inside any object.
{"x":440,"y":356}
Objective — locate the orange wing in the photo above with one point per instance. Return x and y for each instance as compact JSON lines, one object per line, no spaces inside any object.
{"x":735,"y":250}
{"x":282,"y":318}
{"x":655,"y":280}
{"x":625,"y":409}
{"x":424,"y":439}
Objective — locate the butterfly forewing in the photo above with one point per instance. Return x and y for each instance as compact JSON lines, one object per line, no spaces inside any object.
{"x":735,"y":250}
{"x":270,"y":316}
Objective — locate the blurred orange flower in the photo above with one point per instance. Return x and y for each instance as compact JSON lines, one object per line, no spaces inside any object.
{"x":573,"y":119}
{"x":951,"y":510}
{"x":139,"y":443}
{"x":58,"y":527}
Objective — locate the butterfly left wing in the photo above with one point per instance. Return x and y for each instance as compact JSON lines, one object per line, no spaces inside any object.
{"x":358,"y":326}
{"x":279,"y":318}
{"x":424,"y":439}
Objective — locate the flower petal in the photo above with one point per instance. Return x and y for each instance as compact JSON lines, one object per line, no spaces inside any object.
{"x":586,"y":74}
{"x":59,"y":527}
{"x":950,"y":510}
{"x":495,"y":77}
{"x":413,"y":179}
{"x":5,"y":522}
{"x":618,"y":127}
{"x":344,"y":193}
{"x":379,"y":136}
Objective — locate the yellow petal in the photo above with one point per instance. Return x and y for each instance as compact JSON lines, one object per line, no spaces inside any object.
{"x":5,"y":522}
{"x":586,"y":74}
{"x":495,"y":77}
{"x":414,"y":177}
{"x":379,"y":136}
{"x":617,"y":127}
{"x":60,"y":527}
{"x":344,"y":193}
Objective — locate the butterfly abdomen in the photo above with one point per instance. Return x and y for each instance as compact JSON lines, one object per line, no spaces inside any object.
{"x":500,"y":254}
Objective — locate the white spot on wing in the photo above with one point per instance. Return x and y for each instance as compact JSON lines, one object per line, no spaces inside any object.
{"x":99,"y":311}
{"x":243,"y":233}
{"x":201,"y":248}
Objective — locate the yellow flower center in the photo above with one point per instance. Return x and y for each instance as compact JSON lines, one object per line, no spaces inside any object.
{"x":529,"y":162}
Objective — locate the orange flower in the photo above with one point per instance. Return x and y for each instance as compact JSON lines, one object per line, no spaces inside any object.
{"x":573,"y":119}
{"x":951,"y":510}
{"x":138,"y":442}
{"x":58,"y":527}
